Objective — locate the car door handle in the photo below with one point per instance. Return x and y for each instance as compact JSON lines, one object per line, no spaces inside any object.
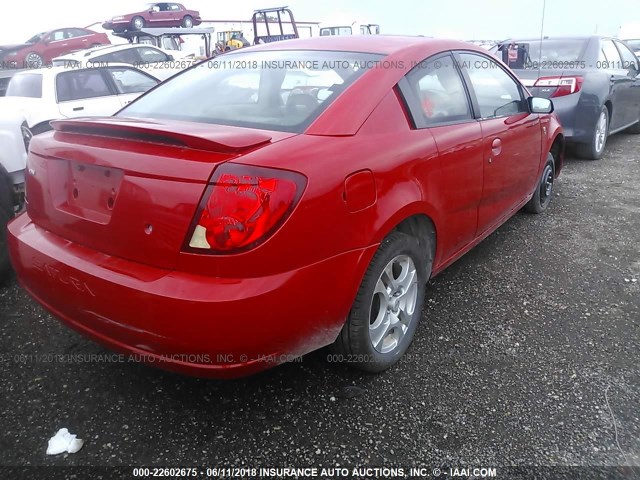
{"x":496,"y":147}
{"x":78,"y":109}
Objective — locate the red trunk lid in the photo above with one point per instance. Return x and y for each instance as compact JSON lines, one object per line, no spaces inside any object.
{"x":129,"y":188}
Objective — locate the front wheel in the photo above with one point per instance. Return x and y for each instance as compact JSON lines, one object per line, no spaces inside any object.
{"x":137,"y":23}
{"x":594,"y":150}
{"x":388,"y":306}
{"x":187,"y":22}
{"x":544,"y":188}
{"x":34,"y":60}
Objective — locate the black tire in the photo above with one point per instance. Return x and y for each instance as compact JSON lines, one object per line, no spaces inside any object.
{"x":354,"y":343}
{"x":187,"y":21}
{"x":95,"y":45}
{"x":137,"y":23}
{"x":6,"y":214}
{"x":544,"y":188}
{"x":590,"y":150}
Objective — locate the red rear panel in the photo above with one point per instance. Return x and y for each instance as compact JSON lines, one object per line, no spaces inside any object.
{"x":122,"y":191}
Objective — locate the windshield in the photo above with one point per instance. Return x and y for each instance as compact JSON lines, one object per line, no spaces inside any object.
{"x":533,"y":54}
{"x":272,"y":90}
{"x":36,"y":38}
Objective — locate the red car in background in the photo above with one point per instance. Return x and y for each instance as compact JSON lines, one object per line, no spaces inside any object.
{"x":164,"y":14}
{"x":40,"y":49}
{"x":300,"y":202}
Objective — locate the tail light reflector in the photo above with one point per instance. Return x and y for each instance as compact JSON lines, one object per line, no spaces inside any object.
{"x":242,"y":207}
{"x":563,"y":85}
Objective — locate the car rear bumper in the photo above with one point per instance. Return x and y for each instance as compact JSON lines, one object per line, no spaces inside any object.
{"x":204,"y":326}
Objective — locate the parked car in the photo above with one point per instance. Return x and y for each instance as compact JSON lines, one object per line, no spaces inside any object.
{"x":144,"y":57}
{"x":254,"y":224}
{"x":161,"y":14}
{"x":59,"y":92}
{"x":593,"y":82}
{"x":14,"y":145}
{"x":40,"y":49}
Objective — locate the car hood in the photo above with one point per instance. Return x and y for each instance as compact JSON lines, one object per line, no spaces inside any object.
{"x":12,"y":48}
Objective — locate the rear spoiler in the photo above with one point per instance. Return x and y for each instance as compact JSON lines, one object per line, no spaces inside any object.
{"x":197,"y":136}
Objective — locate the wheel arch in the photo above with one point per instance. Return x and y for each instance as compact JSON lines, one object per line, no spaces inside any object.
{"x":417,"y":221}
{"x":557,"y":151}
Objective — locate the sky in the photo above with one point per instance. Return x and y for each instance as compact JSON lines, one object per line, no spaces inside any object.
{"x":460,"y":19}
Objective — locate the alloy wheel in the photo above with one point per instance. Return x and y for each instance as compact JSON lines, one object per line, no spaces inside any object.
{"x":393,"y":304}
{"x":601,"y":132}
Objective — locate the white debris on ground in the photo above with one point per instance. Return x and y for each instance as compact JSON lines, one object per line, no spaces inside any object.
{"x":62,"y":442}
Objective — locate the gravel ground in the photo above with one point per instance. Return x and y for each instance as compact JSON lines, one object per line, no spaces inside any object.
{"x":527,"y":351}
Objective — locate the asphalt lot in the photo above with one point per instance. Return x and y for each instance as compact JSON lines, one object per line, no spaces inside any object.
{"x":528,"y":347}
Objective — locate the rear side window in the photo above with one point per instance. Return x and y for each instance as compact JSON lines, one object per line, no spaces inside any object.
{"x":25,"y":85}
{"x":612,"y":54}
{"x":81,"y":84}
{"x":272,"y":90}
{"x":437,"y":94}
{"x":629,"y":60}
{"x":497,"y":94}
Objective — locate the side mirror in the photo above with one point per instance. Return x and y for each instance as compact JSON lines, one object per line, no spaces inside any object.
{"x":171,"y":59}
{"x":540,"y":105}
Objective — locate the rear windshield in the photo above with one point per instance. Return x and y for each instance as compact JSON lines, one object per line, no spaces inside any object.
{"x":25,"y":85}
{"x":271,"y":90}
{"x":534,"y":54}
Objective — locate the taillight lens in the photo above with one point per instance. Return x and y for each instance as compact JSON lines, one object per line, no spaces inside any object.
{"x":242,"y":207}
{"x":561,"y":86}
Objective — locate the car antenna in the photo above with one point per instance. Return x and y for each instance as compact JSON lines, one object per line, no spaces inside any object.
{"x":544,"y":6}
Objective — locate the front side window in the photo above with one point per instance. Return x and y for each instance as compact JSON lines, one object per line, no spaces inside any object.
{"x":272,"y":90}
{"x":128,"y":80}
{"x":81,"y":84}
{"x":439,"y":93}
{"x":497,"y":94}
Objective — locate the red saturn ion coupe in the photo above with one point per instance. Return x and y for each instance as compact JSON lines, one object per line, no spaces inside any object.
{"x":279,"y":199}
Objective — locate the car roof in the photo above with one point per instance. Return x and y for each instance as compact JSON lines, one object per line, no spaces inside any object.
{"x":380,"y":44}
{"x":84,"y":54}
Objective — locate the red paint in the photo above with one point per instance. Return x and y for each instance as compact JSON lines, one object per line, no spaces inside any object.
{"x":123,"y":276}
{"x":360,"y":190}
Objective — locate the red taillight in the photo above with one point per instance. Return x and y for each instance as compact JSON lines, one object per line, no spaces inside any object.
{"x":243,"y":206}
{"x":560,"y":86}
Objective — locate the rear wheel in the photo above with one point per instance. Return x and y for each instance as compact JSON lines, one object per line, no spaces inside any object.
{"x":137,"y":23}
{"x":544,"y":189}
{"x":6,"y":214}
{"x":388,"y":306}
{"x":594,"y":150}
{"x":187,"y":22}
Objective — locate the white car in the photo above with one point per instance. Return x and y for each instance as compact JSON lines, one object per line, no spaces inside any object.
{"x":14,"y":144}
{"x":47,"y":94}
{"x":148,"y":58}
